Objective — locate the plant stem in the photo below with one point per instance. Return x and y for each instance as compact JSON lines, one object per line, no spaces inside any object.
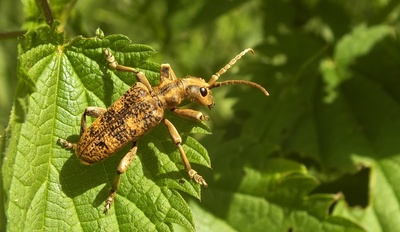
{"x":12,"y":34}
{"x":44,"y":5}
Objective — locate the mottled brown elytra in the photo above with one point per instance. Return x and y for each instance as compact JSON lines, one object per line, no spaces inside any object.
{"x":140,"y":109}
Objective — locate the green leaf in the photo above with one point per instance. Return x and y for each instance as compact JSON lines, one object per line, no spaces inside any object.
{"x":358,"y":128}
{"x":274,"y":197}
{"x":331,"y":68}
{"x":383,"y":210}
{"x":349,"y":48}
{"x":205,"y":221}
{"x":47,"y":186}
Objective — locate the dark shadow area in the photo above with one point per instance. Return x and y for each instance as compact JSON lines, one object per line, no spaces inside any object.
{"x":108,"y":88}
{"x":309,"y":162}
{"x":353,"y":186}
{"x":77,"y":178}
{"x":24,"y":89}
{"x":152,"y":162}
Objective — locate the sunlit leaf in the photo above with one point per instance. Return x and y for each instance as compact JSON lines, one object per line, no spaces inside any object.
{"x":47,"y":185}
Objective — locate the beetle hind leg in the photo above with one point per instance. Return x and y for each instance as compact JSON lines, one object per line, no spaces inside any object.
{"x":176,"y":138}
{"x":89,"y":111}
{"x":122,"y":167}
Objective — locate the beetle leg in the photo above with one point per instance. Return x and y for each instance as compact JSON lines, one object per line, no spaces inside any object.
{"x":92,"y":112}
{"x":89,"y":111}
{"x":189,"y":113}
{"x":122,"y":167}
{"x":114,"y":64}
{"x":166,"y":72}
{"x":67,"y":145}
{"x":176,"y":138}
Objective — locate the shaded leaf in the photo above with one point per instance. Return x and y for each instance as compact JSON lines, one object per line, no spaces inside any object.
{"x":347,"y":50}
{"x":275,"y":199}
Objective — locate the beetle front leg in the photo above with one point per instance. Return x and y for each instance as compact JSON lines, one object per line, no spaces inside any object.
{"x":114,"y":64}
{"x":176,"y":138}
{"x":189,"y":113}
{"x":122,"y":167}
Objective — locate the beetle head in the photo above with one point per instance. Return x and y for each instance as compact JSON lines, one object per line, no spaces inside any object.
{"x":200,"y":91}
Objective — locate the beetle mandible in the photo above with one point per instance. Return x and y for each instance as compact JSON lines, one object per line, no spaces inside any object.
{"x":140,"y":109}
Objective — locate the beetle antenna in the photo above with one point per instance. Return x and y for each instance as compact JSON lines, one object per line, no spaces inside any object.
{"x":230,"y":82}
{"x":215,"y":77}
{"x":213,"y":81}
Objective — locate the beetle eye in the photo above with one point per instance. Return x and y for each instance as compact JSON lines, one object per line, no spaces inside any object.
{"x":203,"y":91}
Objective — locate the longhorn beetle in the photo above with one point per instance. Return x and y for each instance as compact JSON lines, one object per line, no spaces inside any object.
{"x":140,"y":109}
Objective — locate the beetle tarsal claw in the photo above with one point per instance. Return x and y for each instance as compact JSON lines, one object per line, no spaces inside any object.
{"x":108,"y":204}
{"x":196,"y":177}
{"x":65,"y":143}
{"x":204,"y":118}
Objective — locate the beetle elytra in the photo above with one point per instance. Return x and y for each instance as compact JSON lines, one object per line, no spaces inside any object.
{"x":140,"y":109}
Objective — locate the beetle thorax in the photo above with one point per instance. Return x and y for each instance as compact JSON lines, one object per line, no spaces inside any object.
{"x":170,"y":93}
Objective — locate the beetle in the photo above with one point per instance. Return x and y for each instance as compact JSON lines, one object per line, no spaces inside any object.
{"x":140,"y":109}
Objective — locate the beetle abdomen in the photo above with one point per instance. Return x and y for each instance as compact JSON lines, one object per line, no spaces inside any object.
{"x":133,"y":115}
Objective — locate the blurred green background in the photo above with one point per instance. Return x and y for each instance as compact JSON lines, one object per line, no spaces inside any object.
{"x":198,"y":38}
